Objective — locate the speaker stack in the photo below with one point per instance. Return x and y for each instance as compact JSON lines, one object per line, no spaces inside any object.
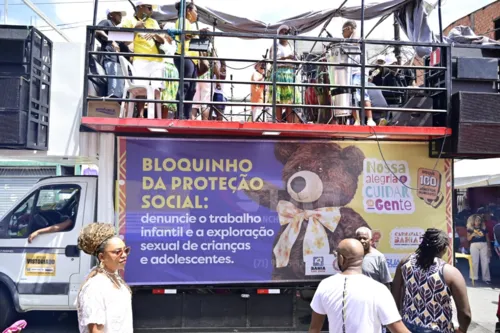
{"x":25,"y":80}
{"x":474,"y":115}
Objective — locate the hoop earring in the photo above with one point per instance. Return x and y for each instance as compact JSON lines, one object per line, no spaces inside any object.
{"x":101,"y":265}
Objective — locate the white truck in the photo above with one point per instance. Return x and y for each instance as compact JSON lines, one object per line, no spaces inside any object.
{"x":206,"y":225}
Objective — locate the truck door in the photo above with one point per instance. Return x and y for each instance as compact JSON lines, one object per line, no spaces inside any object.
{"x":42,"y":269}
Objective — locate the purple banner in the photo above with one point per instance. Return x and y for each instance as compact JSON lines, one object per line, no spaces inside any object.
{"x":248,"y":211}
{"x":189,"y":218}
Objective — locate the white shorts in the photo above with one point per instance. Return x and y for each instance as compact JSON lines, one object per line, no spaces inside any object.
{"x":148,"y":68}
{"x":202,"y":94}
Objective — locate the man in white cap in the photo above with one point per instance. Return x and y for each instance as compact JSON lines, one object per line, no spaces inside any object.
{"x":109,"y":61}
{"x":146,"y":43}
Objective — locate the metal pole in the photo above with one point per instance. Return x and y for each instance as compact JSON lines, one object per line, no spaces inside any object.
{"x":5,"y":11}
{"x":327,"y":23}
{"x":211,"y":71}
{"x":275,"y":66}
{"x":382,"y":19}
{"x":182,"y":18}
{"x":94,"y":23}
{"x":85,"y":75}
{"x":440,"y":22}
{"x":397,"y":36}
{"x":94,"y":18}
{"x":40,"y":13}
{"x":363,"y":52}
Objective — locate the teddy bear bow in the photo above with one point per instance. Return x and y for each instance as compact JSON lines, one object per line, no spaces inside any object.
{"x":315,"y":238}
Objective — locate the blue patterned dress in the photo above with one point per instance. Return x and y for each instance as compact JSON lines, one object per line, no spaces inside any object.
{"x":427,"y":299}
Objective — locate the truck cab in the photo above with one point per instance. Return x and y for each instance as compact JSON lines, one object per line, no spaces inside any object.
{"x":46,"y":272}
{"x":391,"y":176}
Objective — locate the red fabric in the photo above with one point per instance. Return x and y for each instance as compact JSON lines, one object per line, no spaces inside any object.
{"x":489,"y":227}
{"x":462,"y":233}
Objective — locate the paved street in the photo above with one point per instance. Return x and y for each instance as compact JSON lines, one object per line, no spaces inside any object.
{"x":484,"y":307}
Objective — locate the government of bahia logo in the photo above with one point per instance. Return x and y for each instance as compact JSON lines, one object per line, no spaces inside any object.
{"x":318,"y":265}
{"x":387,"y":187}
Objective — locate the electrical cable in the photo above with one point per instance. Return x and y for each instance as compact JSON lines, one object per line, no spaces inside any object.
{"x":390,"y":170}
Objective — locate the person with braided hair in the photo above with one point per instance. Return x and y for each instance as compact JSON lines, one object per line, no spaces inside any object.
{"x":104,"y":302}
{"x":424,"y":285}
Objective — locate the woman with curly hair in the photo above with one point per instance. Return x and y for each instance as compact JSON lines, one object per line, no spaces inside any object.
{"x":480,"y":246}
{"x":104,"y":303}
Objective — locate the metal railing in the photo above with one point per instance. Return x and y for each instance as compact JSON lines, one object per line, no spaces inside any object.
{"x":439,"y":89}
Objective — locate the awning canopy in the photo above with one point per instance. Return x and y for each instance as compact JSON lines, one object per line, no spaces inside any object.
{"x":476,"y":173}
{"x":411,"y":14}
{"x":301,"y":23}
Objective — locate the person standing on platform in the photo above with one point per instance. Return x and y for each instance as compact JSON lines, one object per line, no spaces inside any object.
{"x":349,"y":32}
{"x":257,"y":90}
{"x":190,"y":65}
{"x":146,"y":43}
{"x":109,"y":61}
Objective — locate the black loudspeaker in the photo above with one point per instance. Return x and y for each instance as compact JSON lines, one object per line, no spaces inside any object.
{"x":25,"y":80}
{"x":14,"y":93}
{"x":475,"y":122}
{"x":474,"y":69}
{"x":14,"y":106}
{"x":14,"y":56}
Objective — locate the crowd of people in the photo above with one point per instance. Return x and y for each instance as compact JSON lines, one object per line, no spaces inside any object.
{"x":357,"y":299}
{"x":160,"y":67}
{"x":203,"y":92}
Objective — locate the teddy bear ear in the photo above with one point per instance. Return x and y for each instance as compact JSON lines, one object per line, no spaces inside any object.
{"x":353,"y":157}
{"x":283,"y":150}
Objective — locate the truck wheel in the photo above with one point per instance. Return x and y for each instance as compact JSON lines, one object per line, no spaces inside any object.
{"x":7,"y":311}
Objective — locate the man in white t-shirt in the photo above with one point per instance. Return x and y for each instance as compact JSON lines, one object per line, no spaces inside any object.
{"x":353,"y":302}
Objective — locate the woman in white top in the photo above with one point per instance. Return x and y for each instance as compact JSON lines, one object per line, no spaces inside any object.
{"x":284,"y":73}
{"x":104,"y":303}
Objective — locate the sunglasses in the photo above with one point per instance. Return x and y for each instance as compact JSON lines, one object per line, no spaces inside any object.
{"x":119,"y":252}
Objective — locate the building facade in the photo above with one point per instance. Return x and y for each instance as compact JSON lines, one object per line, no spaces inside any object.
{"x":484,"y":21}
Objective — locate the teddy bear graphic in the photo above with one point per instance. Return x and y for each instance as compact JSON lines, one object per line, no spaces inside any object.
{"x":320,"y":179}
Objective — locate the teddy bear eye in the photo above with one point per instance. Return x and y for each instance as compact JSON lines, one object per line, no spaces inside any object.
{"x":320,"y":170}
{"x":299,"y":168}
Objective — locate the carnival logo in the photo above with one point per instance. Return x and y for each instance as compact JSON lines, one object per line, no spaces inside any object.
{"x":406,"y":238}
{"x":393,"y":260}
{"x":376,"y":237}
{"x":386,"y":187}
